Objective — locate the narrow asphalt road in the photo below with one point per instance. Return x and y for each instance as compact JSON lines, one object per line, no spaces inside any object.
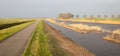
{"x":15,"y":45}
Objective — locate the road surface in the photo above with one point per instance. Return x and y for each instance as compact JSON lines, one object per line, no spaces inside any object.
{"x":15,"y":45}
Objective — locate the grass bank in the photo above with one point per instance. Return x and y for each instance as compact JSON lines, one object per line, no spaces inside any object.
{"x":54,"y":43}
{"x":5,"y":33}
{"x":10,"y":21}
{"x":7,"y":25}
{"x":42,"y":43}
{"x":96,"y":20}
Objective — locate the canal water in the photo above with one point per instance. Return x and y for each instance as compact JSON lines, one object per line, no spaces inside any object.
{"x":92,"y":41}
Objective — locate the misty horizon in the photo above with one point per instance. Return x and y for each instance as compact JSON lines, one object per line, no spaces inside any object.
{"x":46,"y":8}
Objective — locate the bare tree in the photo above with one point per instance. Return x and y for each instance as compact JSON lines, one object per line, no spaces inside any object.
{"x":65,"y":16}
{"x":91,"y":16}
{"x":60,"y":16}
{"x":98,"y":16}
{"x":112,"y":16}
{"x":69,"y":15}
{"x":105,"y":16}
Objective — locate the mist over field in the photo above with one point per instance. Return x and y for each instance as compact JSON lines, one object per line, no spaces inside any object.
{"x":51,"y":8}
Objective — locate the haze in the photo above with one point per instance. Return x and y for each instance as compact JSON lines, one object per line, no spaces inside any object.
{"x":51,"y":8}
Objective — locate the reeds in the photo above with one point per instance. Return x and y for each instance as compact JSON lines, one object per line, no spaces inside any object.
{"x":114,"y":37}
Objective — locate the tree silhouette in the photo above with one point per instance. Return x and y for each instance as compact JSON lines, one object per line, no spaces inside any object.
{"x":98,"y":16}
{"x":91,"y":16}
{"x":106,"y":16}
{"x":112,"y":16}
{"x":65,"y":16}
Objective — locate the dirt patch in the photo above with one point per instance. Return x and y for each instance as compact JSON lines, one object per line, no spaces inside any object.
{"x":71,"y":47}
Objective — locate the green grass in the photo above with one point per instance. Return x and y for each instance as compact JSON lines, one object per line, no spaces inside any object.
{"x":12,"y":24}
{"x":9,"y":21}
{"x":39,"y":44}
{"x":54,"y":44}
{"x":5,"y":33}
{"x":55,"y":47}
{"x":42,"y":43}
{"x":5,"y":23}
{"x":115,"y":19}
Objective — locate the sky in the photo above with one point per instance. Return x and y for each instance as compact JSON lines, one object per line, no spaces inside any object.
{"x":51,"y":8}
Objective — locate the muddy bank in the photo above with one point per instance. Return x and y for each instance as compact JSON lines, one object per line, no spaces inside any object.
{"x":92,"y":41}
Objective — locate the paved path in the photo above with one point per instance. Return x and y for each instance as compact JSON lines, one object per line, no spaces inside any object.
{"x":15,"y":45}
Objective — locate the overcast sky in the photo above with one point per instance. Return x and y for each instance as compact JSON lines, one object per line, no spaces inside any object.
{"x":51,"y":8}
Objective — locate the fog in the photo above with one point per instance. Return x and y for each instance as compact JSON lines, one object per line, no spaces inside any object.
{"x":51,"y":8}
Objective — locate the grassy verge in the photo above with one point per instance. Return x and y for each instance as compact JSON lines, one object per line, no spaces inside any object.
{"x":54,"y":44}
{"x":42,"y":43}
{"x":10,"y":21}
{"x":97,"y":20}
{"x":39,"y":44}
{"x":4,"y":33}
{"x":7,"y":25}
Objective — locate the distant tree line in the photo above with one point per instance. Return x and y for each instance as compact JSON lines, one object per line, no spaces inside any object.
{"x":99,"y":16}
{"x":70,"y":15}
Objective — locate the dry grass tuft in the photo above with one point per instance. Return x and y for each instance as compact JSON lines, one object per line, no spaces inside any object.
{"x":82,"y":28}
{"x":115,"y":37}
{"x":117,"y":31}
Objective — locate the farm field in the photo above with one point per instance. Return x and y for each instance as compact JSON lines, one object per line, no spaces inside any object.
{"x":5,"y":23}
{"x":9,"y":27}
{"x":96,"y":20}
{"x":49,"y":37}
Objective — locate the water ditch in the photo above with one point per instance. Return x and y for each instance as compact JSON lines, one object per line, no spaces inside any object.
{"x":92,"y":41}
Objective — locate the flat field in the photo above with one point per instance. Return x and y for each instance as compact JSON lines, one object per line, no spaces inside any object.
{"x":61,"y":37}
